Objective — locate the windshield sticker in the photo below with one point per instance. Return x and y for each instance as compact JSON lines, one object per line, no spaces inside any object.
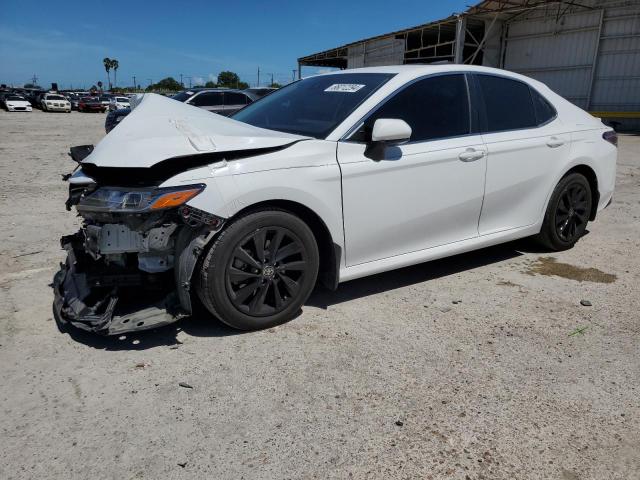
{"x":344,"y":87}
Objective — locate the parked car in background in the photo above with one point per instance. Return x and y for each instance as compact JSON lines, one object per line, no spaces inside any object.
{"x":260,"y":91}
{"x":118,"y":102}
{"x":217,"y":100}
{"x":16,"y":103}
{"x":54,"y":102}
{"x":73,"y":98}
{"x":105,"y":100}
{"x":114,"y":117}
{"x":91,"y":104}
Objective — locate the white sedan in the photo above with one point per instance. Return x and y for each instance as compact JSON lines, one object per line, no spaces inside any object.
{"x":116,"y":103}
{"x":55,"y":103}
{"x":16,"y":103}
{"x":328,"y":179}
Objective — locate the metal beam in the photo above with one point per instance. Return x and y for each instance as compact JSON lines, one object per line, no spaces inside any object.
{"x":594,"y":66}
{"x":461,"y":27}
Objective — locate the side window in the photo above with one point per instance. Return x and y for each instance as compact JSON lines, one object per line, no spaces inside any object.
{"x":508,"y":103}
{"x":435,"y":107}
{"x":235,"y":98}
{"x":543,"y":109}
{"x":208,"y":99}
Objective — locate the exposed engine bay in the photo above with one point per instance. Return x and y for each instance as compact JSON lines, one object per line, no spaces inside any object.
{"x":129,"y":266}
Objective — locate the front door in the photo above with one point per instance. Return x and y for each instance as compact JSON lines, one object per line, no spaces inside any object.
{"x":421,"y":194}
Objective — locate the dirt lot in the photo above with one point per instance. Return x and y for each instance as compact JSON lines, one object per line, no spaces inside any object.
{"x":485,"y":365}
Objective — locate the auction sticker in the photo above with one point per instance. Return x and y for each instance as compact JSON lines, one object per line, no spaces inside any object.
{"x":344,"y":87}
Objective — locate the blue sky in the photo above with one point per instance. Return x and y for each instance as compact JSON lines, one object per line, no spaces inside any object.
{"x":65,"y":41}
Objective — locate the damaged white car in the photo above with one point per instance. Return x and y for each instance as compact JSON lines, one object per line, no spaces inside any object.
{"x":331,"y":178}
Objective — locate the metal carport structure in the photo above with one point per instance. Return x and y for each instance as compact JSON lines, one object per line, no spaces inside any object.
{"x":586,"y":50}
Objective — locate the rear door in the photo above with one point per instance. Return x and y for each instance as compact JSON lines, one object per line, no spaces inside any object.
{"x":525,"y":142}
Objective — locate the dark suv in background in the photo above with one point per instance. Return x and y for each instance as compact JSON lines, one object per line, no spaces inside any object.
{"x":217,"y":100}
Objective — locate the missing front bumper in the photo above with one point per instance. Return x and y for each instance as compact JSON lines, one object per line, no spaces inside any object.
{"x":111,"y":303}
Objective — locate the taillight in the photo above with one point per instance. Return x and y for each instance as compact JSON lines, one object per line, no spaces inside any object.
{"x":611,"y":137}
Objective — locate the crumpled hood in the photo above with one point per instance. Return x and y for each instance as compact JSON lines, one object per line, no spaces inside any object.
{"x":159,"y":128}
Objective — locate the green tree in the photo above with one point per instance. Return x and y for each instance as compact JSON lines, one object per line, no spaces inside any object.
{"x":275,"y":85}
{"x":106,"y":61}
{"x":228,"y":79}
{"x":211,"y":84}
{"x":115,"y":64}
{"x":168,"y":83}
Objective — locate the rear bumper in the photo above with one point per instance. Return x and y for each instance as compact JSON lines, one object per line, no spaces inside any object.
{"x":99,"y":302}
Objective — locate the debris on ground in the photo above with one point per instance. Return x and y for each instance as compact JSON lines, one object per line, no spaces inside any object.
{"x":184,"y":385}
{"x":585,"y":303}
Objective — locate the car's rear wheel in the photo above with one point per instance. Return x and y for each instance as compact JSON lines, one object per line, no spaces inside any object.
{"x":259,"y":270}
{"x":567,"y":214}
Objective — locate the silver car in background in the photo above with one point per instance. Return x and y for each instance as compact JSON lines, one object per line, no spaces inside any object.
{"x":223,"y":101}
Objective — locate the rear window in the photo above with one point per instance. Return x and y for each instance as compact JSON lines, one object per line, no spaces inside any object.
{"x":543,"y":109}
{"x":55,"y":97}
{"x":508,"y":103}
{"x":122,"y":99}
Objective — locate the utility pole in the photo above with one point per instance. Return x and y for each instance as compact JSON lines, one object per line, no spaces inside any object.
{"x":258,"y":84}
{"x":272,"y":79}
{"x":134,"y":82}
{"x":34,"y":79}
{"x":181,"y":84}
{"x":293,"y":74}
{"x":189,"y":80}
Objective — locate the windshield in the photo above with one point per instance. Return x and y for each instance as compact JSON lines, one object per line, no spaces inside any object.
{"x":182,"y":96}
{"x":122,"y":99}
{"x":314,"y":106}
{"x":14,"y":97}
{"x":55,"y":97}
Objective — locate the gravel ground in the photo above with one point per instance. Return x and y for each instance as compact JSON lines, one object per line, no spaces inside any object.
{"x":485,"y":365}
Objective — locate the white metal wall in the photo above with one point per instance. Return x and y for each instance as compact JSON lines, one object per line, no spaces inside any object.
{"x":374,"y":53}
{"x":592,"y":58}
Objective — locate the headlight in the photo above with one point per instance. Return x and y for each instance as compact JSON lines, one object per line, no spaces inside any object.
{"x":134,"y":200}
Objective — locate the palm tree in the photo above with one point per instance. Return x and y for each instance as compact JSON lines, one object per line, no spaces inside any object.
{"x":107,"y":66}
{"x":115,"y":65}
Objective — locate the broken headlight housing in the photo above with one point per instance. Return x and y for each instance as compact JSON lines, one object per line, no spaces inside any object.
{"x":137,"y":200}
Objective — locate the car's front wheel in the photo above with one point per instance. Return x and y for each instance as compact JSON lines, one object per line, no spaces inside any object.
{"x":567,"y":214}
{"x":260,"y":270}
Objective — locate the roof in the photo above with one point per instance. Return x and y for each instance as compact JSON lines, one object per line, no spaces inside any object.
{"x":504,"y":8}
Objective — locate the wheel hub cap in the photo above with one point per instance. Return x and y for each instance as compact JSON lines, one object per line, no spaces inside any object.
{"x":268,"y":272}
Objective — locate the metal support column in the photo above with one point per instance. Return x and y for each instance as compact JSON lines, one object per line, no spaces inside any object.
{"x":594,"y":64}
{"x":461,"y":28}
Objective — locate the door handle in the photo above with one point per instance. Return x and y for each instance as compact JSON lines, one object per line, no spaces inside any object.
{"x":471,"y":154}
{"x":555,"y":142}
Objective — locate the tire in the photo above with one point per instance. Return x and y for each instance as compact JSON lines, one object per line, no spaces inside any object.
{"x":568,"y":212}
{"x":248,"y":289}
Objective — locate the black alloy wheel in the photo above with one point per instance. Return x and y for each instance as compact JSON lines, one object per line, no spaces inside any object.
{"x":259,"y":270}
{"x":567,"y":214}
{"x":571,"y":213}
{"x":266,"y":270}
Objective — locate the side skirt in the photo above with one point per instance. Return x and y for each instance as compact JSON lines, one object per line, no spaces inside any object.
{"x":435,"y":253}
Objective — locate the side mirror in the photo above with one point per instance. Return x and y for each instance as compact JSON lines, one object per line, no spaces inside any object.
{"x":390,"y":130}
